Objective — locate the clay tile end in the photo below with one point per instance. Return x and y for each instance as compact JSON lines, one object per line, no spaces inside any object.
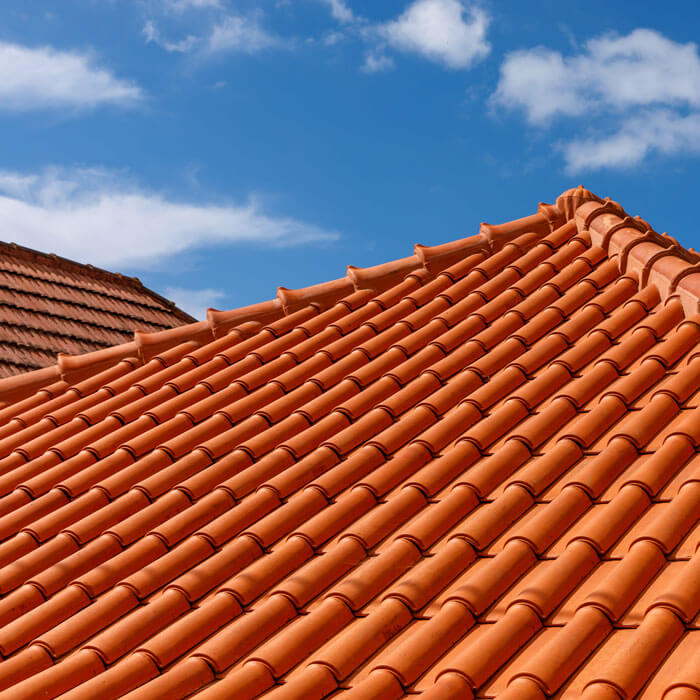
{"x":568,"y":202}
{"x":223,"y":321}
{"x":76,"y":367}
{"x":442,"y":256}
{"x":324,"y":294}
{"x":381,"y":277}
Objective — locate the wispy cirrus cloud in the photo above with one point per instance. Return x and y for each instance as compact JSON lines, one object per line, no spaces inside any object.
{"x":43,"y":77}
{"x":376,"y":62}
{"x":98,"y":216}
{"x":244,"y":34}
{"x":153,"y":35}
{"x":645,"y":86}
{"x":217,"y":29}
{"x":184,"y":5}
{"x":340,"y":10}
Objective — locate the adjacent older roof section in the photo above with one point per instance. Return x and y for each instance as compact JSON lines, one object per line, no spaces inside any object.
{"x":49,"y":305}
{"x":470,"y":473}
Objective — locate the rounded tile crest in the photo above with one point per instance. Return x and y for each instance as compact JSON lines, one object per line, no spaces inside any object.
{"x":568,"y":202}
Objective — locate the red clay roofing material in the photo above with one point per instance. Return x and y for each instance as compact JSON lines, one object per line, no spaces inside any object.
{"x":471,"y":473}
{"x":49,"y":305}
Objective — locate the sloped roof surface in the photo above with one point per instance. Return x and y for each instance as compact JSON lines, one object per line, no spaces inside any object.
{"x":472,"y":472}
{"x":49,"y":304}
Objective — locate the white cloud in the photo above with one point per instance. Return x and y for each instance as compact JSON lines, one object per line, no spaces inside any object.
{"x":195,"y":302}
{"x":340,"y":10}
{"x":663,"y":132}
{"x":243,"y":34}
{"x":445,"y":31}
{"x":16,"y":184}
{"x":43,"y":77}
{"x":611,"y":73}
{"x":184,"y":5}
{"x":94,"y":215}
{"x":377,"y":63}
{"x":450,"y":32}
{"x":332,"y":38}
{"x":539,"y":82}
{"x":228,"y":32}
{"x":643,"y":86}
{"x":152,"y":34}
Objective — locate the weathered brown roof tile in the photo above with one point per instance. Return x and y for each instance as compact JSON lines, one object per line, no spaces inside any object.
{"x":51,"y":305}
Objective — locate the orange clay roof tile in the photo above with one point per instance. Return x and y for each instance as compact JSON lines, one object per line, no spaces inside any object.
{"x":469,"y":473}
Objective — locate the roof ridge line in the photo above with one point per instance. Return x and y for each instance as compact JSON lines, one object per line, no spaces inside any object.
{"x":490,"y":239}
{"x":652,"y":258}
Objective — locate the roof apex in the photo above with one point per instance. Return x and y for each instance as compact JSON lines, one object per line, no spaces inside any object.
{"x":570,"y":200}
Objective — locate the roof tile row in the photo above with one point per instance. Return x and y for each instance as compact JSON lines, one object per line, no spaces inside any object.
{"x":470,"y":473}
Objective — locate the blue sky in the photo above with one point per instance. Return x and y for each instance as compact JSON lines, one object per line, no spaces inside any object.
{"x":220,"y":148}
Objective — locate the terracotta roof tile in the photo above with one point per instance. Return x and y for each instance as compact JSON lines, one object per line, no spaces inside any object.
{"x":49,"y":305}
{"x":468,"y":473}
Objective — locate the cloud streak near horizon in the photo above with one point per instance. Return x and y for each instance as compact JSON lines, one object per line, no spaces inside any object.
{"x":95,"y":215}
